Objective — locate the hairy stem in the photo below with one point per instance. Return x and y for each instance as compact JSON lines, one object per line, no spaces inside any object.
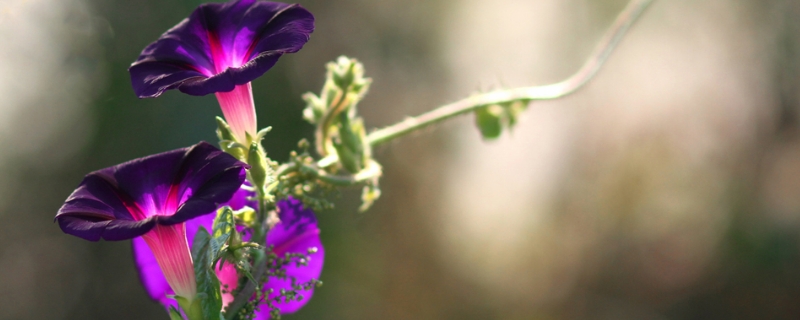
{"x":244,"y":295}
{"x":546,"y":92}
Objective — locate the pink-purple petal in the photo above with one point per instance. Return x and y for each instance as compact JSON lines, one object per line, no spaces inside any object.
{"x":150,"y":273}
{"x":219,"y":46}
{"x":296,"y":233}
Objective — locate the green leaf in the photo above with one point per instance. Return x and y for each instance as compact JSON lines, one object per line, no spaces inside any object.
{"x":208,"y":293}
{"x":224,"y":227}
{"x":489,"y":121}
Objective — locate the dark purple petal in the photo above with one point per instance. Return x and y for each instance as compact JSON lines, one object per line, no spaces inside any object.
{"x":296,"y":233}
{"x":243,"y":198}
{"x":92,"y":229}
{"x":219,"y":46}
{"x":129,"y":199}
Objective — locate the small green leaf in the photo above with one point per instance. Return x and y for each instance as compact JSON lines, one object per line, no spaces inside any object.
{"x":208,"y":293}
{"x":489,"y":121}
{"x":224,"y":226}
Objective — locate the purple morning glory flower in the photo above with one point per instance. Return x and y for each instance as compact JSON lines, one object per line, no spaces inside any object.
{"x":219,"y":49}
{"x":152,"y":197}
{"x":296,"y":233}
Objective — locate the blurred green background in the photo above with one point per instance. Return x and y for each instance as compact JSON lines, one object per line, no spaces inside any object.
{"x":669,"y":188}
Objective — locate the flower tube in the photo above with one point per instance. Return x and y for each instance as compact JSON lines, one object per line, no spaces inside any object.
{"x":152,"y":198}
{"x":219,"y":49}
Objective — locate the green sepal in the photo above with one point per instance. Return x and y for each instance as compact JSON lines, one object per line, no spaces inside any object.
{"x":174,"y":314}
{"x":224,"y":130}
{"x":227,"y":141}
{"x":209,"y":297}
{"x":261,"y":133}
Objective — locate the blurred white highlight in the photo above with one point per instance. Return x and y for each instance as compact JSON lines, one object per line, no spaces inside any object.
{"x":48,"y":79}
{"x":642,"y":151}
{"x":49,"y":73}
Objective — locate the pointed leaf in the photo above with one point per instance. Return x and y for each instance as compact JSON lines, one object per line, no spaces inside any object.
{"x":209,"y":295}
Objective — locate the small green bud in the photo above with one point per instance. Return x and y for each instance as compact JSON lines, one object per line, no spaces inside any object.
{"x":348,"y":75}
{"x":224,"y":130}
{"x":259,"y":168}
{"x":369,"y":194}
{"x":303,"y":144}
{"x":489,"y":121}
{"x":350,"y":160}
{"x":315,"y":108}
{"x":174,"y":314}
{"x":342,"y":72}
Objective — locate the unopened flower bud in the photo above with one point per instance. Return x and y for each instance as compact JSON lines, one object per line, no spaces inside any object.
{"x":259,"y":169}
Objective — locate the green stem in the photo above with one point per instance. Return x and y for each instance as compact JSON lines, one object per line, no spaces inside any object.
{"x":547,"y":92}
{"x":370,"y":171}
{"x":244,"y":295}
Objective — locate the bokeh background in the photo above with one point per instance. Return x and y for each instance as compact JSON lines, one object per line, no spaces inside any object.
{"x":668,"y":188}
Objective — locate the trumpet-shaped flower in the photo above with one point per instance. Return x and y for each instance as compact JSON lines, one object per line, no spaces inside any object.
{"x":152,"y":198}
{"x":296,"y":233}
{"x":219,"y":49}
